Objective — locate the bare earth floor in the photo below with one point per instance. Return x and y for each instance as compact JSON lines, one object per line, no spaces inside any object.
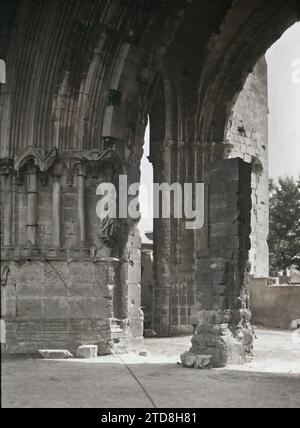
{"x":272,"y":380}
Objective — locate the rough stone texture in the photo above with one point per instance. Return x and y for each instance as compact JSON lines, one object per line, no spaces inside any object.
{"x":55,"y":354}
{"x":274,"y":306}
{"x":87,"y":351}
{"x":248,"y":134}
{"x":62,"y":304}
{"x":190,"y":360}
{"x":224,"y":329}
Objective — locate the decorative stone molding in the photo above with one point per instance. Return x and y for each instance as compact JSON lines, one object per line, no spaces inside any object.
{"x":93,"y":161}
{"x":42,"y":160}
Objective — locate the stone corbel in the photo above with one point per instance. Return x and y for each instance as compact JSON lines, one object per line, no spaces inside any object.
{"x":95,"y":160}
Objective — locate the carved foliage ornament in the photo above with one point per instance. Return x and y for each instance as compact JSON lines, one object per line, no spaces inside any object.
{"x":90,"y":161}
{"x":42,"y":160}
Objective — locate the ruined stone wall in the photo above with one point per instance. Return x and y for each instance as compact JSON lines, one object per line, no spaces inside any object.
{"x":248,"y":134}
{"x":61,"y":305}
{"x":223,"y":315}
{"x":61,"y":282}
{"x":274,"y":306}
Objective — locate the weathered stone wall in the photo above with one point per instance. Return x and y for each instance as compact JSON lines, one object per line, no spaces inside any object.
{"x":223,"y":327}
{"x":274,"y":306}
{"x":64,"y":262}
{"x":62,"y":305}
{"x":248,"y":134}
{"x":174,"y":246}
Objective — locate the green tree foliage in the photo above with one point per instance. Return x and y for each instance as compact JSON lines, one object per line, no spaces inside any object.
{"x":284,"y":238}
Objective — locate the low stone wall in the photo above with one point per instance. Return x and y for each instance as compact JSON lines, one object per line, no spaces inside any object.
{"x":274,"y":306}
{"x":63,"y":305}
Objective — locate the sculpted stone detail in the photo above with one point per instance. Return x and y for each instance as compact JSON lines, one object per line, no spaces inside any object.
{"x":42,"y":160}
{"x":93,"y":161}
{"x":109,"y":226}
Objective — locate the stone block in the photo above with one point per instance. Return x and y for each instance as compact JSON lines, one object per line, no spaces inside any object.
{"x":193,"y":361}
{"x":295,"y":276}
{"x":87,"y":351}
{"x":55,"y":354}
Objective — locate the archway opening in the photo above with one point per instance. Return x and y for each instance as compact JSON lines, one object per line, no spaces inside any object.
{"x":264,"y":130}
{"x":146,"y":231}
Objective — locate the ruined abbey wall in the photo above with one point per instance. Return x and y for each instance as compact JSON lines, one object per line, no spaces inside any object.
{"x":61,"y":279}
{"x":248,"y":134}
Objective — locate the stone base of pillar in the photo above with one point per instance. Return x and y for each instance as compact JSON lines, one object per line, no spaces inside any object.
{"x":226,"y":344}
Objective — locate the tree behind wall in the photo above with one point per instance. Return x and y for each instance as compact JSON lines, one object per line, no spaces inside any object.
{"x":284,"y":238}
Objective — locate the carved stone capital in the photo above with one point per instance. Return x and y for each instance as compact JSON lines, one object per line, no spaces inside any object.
{"x":42,"y":160}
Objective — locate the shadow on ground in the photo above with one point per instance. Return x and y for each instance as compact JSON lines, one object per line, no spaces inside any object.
{"x":35,"y":383}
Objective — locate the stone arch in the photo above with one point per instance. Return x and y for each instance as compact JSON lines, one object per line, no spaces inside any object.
{"x":8,"y":291}
{"x":5,"y":271}
{"x":244,"y":36}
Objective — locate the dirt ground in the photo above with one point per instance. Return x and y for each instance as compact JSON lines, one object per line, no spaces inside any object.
{"x":271,"y":380}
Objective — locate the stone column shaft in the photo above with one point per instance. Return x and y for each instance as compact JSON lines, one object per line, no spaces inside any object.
{"x":81,"y":207}
{"x":223,"y":312}
{"x":162,"y":245}
{"x":56,"y":213}
{"x":7,"y":212}
{"x":32,"y":196}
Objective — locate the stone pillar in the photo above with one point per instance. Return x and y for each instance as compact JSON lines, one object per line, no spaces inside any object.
{"x":56,"y":249}
{"x":81,"y":205}
{"x":162,"y":168}
{"x":81,"y":248}
{"x":56,"y":213}
{"x":7,"y":192}
{"x":224,"y":329}
{"x":32,"y":196}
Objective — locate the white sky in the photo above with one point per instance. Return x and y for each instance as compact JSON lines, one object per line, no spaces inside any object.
{"x":284,"y":104}
{"x":284,"y":120}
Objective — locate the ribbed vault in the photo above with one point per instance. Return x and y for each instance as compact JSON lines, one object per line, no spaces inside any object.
{"x":64,"y":58}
